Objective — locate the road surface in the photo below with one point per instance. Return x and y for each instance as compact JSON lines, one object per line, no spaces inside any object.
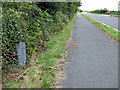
{"x":106,"y":19}
{"x":93,"y":58}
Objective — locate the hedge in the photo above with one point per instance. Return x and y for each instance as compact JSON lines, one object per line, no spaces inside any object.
{"x":32,"y":23}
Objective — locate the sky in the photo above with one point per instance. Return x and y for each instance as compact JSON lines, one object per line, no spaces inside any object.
{"x":88,"y":5}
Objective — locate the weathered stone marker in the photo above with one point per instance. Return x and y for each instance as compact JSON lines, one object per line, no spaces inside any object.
{"x":21,"y":52}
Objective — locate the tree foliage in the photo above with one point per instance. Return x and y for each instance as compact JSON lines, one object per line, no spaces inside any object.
{"x":99,"y":11}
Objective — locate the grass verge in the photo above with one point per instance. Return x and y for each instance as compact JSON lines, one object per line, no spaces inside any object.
{"x":110,"y":31}
{"x":97,"y":13}
{"x":43,"y":72}
{"x":115,"y":15}
{"x":106,"y":14}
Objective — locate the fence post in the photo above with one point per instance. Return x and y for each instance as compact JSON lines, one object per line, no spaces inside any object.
{"x":21,"y":53}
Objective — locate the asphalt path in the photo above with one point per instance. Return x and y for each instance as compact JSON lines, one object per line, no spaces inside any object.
{"x":93,"y":58}
{"x":106,"y":19}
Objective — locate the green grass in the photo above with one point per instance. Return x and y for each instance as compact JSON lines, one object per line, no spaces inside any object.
{"x":116,"y":15}
{"x":106,"y":14}
{"x":110,"y":31}
{"x":42,"y":74}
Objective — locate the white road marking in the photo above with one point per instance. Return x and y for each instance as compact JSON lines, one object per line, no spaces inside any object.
{"x":109,"y":26}
{"x":106,"y":25}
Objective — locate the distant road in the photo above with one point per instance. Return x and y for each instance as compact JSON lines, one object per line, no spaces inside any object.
{"x":106,"y":19}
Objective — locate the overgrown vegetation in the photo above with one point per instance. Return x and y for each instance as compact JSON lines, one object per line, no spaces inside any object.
{"x":109,"y":30}
{"x":42,"y":72}
{"x":80,"y":11}
{"x":99,"y":11}
{"x":35,"y":24}
{"x":115,"y":11}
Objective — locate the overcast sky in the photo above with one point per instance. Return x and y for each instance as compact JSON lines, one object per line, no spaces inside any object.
{"x":98,"y":4}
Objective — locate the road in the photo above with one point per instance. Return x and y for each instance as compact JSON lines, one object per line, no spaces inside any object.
{"x":106,"y":19}
{"x":92,"y":57}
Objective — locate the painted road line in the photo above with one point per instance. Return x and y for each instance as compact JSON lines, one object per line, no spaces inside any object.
{"x":106,"y":25}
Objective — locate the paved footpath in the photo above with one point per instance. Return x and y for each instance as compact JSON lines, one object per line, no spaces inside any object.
{"x":93,"y":58}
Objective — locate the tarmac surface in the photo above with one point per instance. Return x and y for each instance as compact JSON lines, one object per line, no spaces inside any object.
{"x":106,"y":19}
{"x":92,"y":57}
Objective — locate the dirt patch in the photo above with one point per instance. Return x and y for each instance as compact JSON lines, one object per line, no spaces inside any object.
{"x":74,"y":45}
{"x":60,"y":74}
{"x":16,"y":72}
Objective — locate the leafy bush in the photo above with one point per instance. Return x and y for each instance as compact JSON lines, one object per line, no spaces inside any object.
{"x":27,"y":24}
{"x":33,"y":24}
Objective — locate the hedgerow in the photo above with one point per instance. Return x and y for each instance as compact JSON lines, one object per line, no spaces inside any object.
{"x":32,"y":23}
